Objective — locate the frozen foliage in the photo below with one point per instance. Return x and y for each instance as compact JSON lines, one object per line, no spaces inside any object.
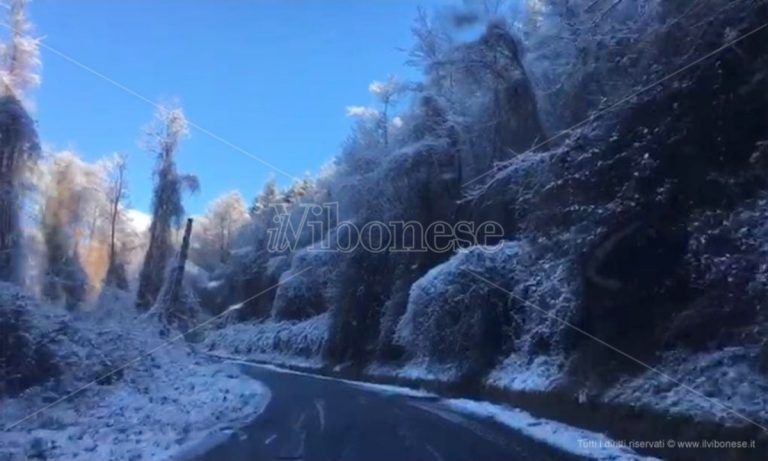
{"x":285,"y":342}
{"x":150,"y":409}
{"x":19,"y":149}
{"x":454,"y":319}
{"x":451,"y":317}
{"x":214,"y":233}
{"x":302,"y":290}
{"x":70,"y":197}
{"x":20,"y":56}
{"x":523,"y":372}
{"x":731,"y":386}
{"x":726,"y":255}
{"x":164,"y":136}
{"x":417,"y":369}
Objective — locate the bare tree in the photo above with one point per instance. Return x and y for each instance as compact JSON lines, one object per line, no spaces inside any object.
{"x":117,"y":194}
{"x":164,"y":135}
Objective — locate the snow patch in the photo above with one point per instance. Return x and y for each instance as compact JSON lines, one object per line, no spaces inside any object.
{"x":519,"y":373}
{"x":417,"y":369}
{"x":381,"y":388}
{"x":580,"y":442}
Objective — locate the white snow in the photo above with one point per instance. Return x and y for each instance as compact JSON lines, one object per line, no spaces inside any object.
{"x":719,"y":386}
{"x":165,"y":399}
{"x":160,"y":411}
{"x":568,"y":438}
{"x":290,"y":343}
{"x":375,"y":387}
{"x":443,"y":315}
{"x":417,"y":369}
{"x":519,"y":373}
{"x":390,"y":389}
{"x":213,"y":284}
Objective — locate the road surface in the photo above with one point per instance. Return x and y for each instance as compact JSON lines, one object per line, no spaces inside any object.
{"x":314,"y":418}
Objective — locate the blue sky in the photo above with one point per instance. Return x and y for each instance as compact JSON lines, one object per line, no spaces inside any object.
{"x":271,"y":76}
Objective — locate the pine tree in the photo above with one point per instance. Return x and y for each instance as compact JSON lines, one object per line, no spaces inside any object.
{"x":265,"y":199}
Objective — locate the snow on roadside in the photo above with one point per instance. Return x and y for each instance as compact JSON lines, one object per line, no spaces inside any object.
{"x":163,"y":398}
{"x":376,"y":387}
{"x":416,"y":369}
{"x":518,"y":373}
{"x":390,"y":389}
{"x":155,"y":412}
{"x":580,"y":442}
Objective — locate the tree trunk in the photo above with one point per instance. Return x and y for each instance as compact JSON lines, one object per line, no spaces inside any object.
{"x":178,"y":273}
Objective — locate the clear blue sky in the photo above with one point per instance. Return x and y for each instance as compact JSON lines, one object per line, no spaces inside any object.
{"x":272,"y":76}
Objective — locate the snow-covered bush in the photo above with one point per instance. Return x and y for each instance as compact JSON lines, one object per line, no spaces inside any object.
{"x":456,"y":314}
{"x":270,"y":340}
{"x":25,"y":360}
{"x":302,"y":290}
{"x":726,"y":257}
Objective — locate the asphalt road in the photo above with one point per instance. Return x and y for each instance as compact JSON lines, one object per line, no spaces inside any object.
{"x":312,"y":418}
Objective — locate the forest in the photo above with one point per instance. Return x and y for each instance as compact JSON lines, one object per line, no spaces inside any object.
{"x":621,"y":147}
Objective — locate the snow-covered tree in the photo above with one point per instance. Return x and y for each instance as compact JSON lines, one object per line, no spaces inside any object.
{"x":20,"y":55}
{"x":19,"y":148}
{"x":225,"y":216}
{"x":163,"y":138}
{"x":265,"y":199}
{"x":386,"y":93}
{"x":71,"y":200}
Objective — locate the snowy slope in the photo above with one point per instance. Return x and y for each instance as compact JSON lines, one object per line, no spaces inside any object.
{"x":165,"y":400}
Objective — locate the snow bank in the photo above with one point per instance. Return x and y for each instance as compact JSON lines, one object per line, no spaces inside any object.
{"x":161,"y":409}
{"x":417,"y":369}
{"x":166,"y":399}
{"x":375,"y":387}
{"x":567,"y":438}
